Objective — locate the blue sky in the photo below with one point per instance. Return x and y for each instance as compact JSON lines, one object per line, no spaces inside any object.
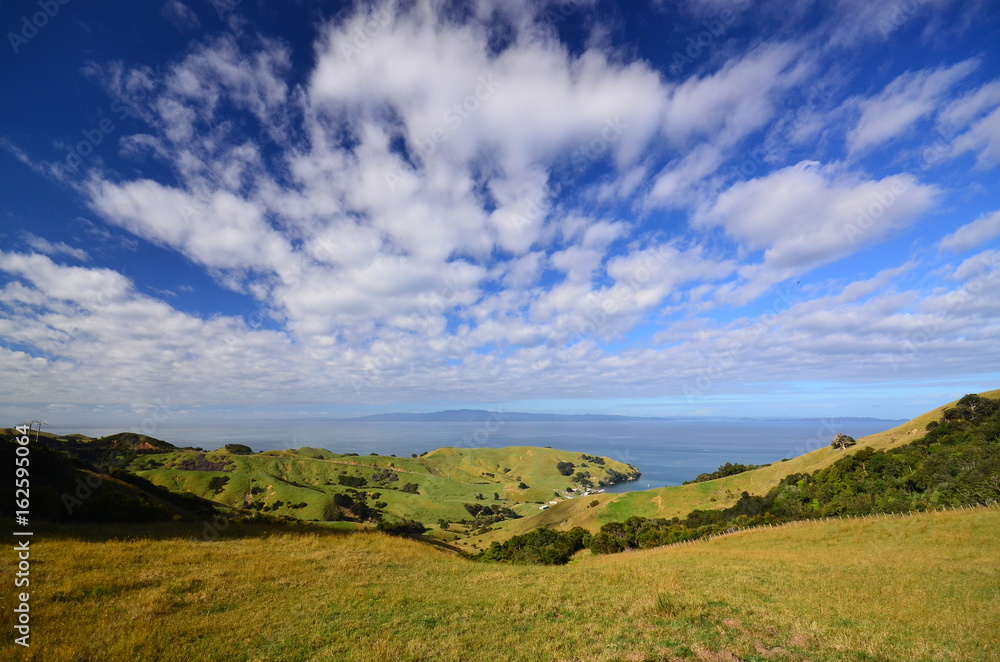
{"x":722,"y":207}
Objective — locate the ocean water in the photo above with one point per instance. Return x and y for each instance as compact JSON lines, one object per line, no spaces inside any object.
{"x":667,"y":452}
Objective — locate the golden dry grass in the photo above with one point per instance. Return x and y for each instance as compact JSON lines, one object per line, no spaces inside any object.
{"x":920,"y":588}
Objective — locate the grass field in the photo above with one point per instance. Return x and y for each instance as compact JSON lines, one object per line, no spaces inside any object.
{"x":680,"y":500}
{"x":447,"y":478}
{"x":922,"y":588}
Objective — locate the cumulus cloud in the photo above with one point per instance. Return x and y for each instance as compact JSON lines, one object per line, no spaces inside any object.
{"x":808,"y":214}
{"x":460,"y":204}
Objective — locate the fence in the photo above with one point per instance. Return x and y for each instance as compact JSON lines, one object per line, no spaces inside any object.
{"x":992,"y":504}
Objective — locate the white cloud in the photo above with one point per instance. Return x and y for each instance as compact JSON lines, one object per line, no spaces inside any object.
{"x":807,"y":215}
{"x":905,"y":100}
{"x":182,"y":16}
{"x":973,"y":234}
{"x":982,"y":138}
{"x":434,"y":211}
{"x":43,"y":245}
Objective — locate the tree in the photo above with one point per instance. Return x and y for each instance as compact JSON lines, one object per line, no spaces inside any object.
{"x":522,"y":486}
{"x":842,"y":441}
{"x":565,"y":468}
{"x":406,"y":527}
{"x":410,"y":488}
{"x":238,"y":449}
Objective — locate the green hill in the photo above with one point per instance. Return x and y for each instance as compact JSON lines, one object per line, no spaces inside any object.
{"x":305,"y":483}
{"x":678,"y":501}
{"x":919,"y":588}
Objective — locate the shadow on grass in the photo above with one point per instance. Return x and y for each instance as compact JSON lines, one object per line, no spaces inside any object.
{"x":202,"y":531}
{"x":196,"y":532}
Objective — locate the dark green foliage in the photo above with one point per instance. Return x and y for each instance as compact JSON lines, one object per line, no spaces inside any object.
{"x":352,"y":481}
{"x":238,"y":449}
{"x":843,"y":441}
{"x":218,"y":483}
{"x":65,"y":487}
{"x":727,"y":469}
{"x":202,"y":463}
{"x":411,"y":488}
{"x":385,"y":475}
{"x":612,"y":477}
{"x":406,"y":527}
{"x":593,"y":458}
{"x":542,"y":546}
{"x":522,"y":485}
{"x":485,"y":515}
{"x":565,"y":468}
{"x":956,"y":463}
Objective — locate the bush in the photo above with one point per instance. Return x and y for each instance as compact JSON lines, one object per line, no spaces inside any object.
{"x":410,"y":488}
{"x":352,"y":481}
{"x":238,"y":449}
{"x":406,"y":527}
{"x":542,"y":546}
{"x":565,"y":468}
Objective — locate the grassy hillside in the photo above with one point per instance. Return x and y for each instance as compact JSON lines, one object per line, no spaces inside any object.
{"x":918,"y":589}
{"x":678,"y":501}
{"x":303,"y":483}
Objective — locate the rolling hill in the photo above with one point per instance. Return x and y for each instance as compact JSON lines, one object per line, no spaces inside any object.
{"x":436,"y":486}
{"x":678,"y":501}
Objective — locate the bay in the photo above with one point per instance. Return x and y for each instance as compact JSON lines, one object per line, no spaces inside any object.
{"x":667,"y":452}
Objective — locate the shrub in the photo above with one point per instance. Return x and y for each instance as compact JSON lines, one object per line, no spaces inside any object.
{"x":406,"y":527}
{"x":352,"y":481}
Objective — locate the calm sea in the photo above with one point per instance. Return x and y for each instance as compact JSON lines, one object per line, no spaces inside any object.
{"x":667,"y":452}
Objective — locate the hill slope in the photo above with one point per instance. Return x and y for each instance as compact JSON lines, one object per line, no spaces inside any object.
{"x":919,"y":588}
{"x":678,"y":501}
{"x":305,"y":483}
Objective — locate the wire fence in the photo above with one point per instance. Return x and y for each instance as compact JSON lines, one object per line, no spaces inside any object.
{"x":985,"y":505}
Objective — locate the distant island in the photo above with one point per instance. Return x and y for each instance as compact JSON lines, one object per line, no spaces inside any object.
{"x":483,"y":415}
